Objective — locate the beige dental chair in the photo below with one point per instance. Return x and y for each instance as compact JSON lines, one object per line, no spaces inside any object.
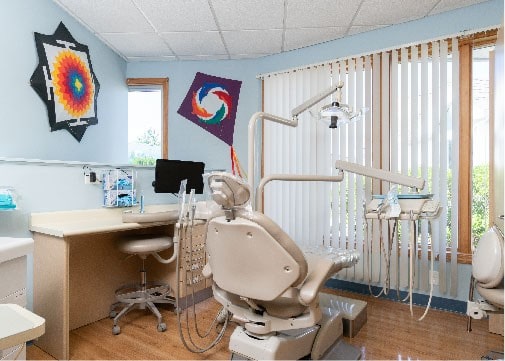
{"x":487,"y":277}
{"x":268,"y":285}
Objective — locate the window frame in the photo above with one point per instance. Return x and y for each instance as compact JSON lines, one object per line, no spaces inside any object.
{"x":163,"y":83}
{"x":465,"y":48}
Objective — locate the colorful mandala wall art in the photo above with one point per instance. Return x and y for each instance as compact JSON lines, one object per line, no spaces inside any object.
{"x":65,"y":81}
{"x":211,"y":103}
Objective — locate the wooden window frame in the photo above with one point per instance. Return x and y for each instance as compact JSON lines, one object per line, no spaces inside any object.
{"x":466,"y":46}
{"x":163,"y":83}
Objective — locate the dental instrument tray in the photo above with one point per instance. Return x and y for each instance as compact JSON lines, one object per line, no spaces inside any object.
{"x":420,"y":205}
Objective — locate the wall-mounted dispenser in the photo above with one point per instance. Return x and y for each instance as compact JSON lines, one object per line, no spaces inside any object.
{"x":8,"y":199}
{"x":119,"y":188}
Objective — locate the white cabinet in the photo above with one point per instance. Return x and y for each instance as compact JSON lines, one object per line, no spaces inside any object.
{"x":13,"y":275}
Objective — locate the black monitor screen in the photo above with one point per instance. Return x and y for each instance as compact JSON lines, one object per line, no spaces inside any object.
{"x":168,"y":175}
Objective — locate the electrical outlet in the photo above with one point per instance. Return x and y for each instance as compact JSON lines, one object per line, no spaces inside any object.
{"x":92,"y":177}
{"x":434,"y":277}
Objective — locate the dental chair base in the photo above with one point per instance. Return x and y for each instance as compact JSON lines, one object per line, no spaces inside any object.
{"x":321,"y":341}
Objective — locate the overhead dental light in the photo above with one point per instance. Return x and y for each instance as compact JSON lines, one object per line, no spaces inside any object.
{"x":339,"y":114}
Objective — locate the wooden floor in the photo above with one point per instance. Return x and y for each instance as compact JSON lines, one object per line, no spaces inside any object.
{"x":390,"y":333}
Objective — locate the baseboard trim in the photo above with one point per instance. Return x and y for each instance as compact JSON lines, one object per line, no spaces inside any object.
{"x":439,"y":303}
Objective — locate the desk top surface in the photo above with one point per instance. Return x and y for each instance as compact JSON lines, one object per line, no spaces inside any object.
{"x":72,"y":223}
{"x":18,"y":325}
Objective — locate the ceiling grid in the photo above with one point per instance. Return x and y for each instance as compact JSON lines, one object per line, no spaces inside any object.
{"x":164,"y":30}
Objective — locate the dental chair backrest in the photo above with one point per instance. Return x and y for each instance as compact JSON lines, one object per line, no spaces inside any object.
{"x":249,"y":254}
{"x":487,"y":266}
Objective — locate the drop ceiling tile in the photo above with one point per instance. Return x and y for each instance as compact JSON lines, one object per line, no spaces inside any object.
{"x":112,"y":16}
{"x":299,"y":38}
{"x":138,"y":45}
{"x":320,"y":13}
{"x":387,"y":12}
{"x":249,"y":15}
{"x":447,"y":5}
{"x":253,"y":41}
{"x":178,"y":15}
{"x":195,"y":43}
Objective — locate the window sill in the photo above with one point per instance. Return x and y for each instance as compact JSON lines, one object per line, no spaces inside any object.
{"x":463,"y":258}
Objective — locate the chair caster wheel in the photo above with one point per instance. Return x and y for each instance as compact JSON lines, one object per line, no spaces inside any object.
{"x":162,"y":327}
{"x":116,"y":330}
{"x":112,"y":314}
{"x":177,"y":310}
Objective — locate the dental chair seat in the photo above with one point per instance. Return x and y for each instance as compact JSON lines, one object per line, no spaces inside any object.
{"x":492,"y":295}
{"x":487,"y":277}
{"x":487,"y":267}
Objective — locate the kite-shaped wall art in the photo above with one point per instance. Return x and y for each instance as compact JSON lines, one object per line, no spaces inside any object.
{"x":211,"y":103}
{"x":65,"y":81}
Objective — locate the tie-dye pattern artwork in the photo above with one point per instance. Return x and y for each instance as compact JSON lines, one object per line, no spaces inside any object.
{"x":65,"y":81}
{"x":211,"y":103}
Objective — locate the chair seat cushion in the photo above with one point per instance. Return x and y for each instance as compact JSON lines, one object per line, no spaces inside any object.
{"x":144,"y":244}
{"x":492,"y":295}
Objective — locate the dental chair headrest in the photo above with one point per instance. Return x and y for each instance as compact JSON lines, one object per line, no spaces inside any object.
{"x":229,"y":191}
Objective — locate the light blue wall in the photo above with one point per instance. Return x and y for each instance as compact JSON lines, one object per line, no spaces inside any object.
{"x":24,"y":125}
{"x":186,"y":140}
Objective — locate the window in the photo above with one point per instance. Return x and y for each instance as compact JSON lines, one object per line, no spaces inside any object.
{"x":480,"y":138}
{"x":147,"y":120}
{"x":420,"y":123}
{"x":474,"y":130}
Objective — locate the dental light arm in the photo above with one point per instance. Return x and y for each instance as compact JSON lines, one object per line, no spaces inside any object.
{"x":251,"y":151}
{"x":315,"y":99}
{"x":293,"y":122}
{"x":292,"y":177}
{"x":396,"y":178}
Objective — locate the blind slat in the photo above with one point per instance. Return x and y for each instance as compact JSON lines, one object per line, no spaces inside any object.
{"x":454,"y":169}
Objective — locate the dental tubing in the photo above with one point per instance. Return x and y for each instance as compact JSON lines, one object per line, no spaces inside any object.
{"x":186,"y":219}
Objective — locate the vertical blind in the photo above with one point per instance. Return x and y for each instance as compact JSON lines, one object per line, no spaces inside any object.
{"x":411,"y":121}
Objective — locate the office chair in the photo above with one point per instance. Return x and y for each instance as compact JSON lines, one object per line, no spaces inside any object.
{"x":143,"y":294}
{"x":268,"y":285}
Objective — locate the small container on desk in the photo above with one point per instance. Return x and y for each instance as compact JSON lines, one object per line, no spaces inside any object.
{"x":119,"y":188}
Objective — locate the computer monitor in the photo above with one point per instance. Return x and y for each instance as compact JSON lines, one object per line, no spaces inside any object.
{"x":169,"y":173}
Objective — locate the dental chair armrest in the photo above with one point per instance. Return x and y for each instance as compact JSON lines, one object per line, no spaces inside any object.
{"x":207,"y":271}
{"x":318,"y":275}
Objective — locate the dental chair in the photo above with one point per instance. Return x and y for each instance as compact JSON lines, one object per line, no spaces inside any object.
{"x":268,"y":285}
{"x":487,"y":276}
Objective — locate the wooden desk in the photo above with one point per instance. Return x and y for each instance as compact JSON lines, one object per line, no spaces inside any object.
{"x":77,"y":268}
